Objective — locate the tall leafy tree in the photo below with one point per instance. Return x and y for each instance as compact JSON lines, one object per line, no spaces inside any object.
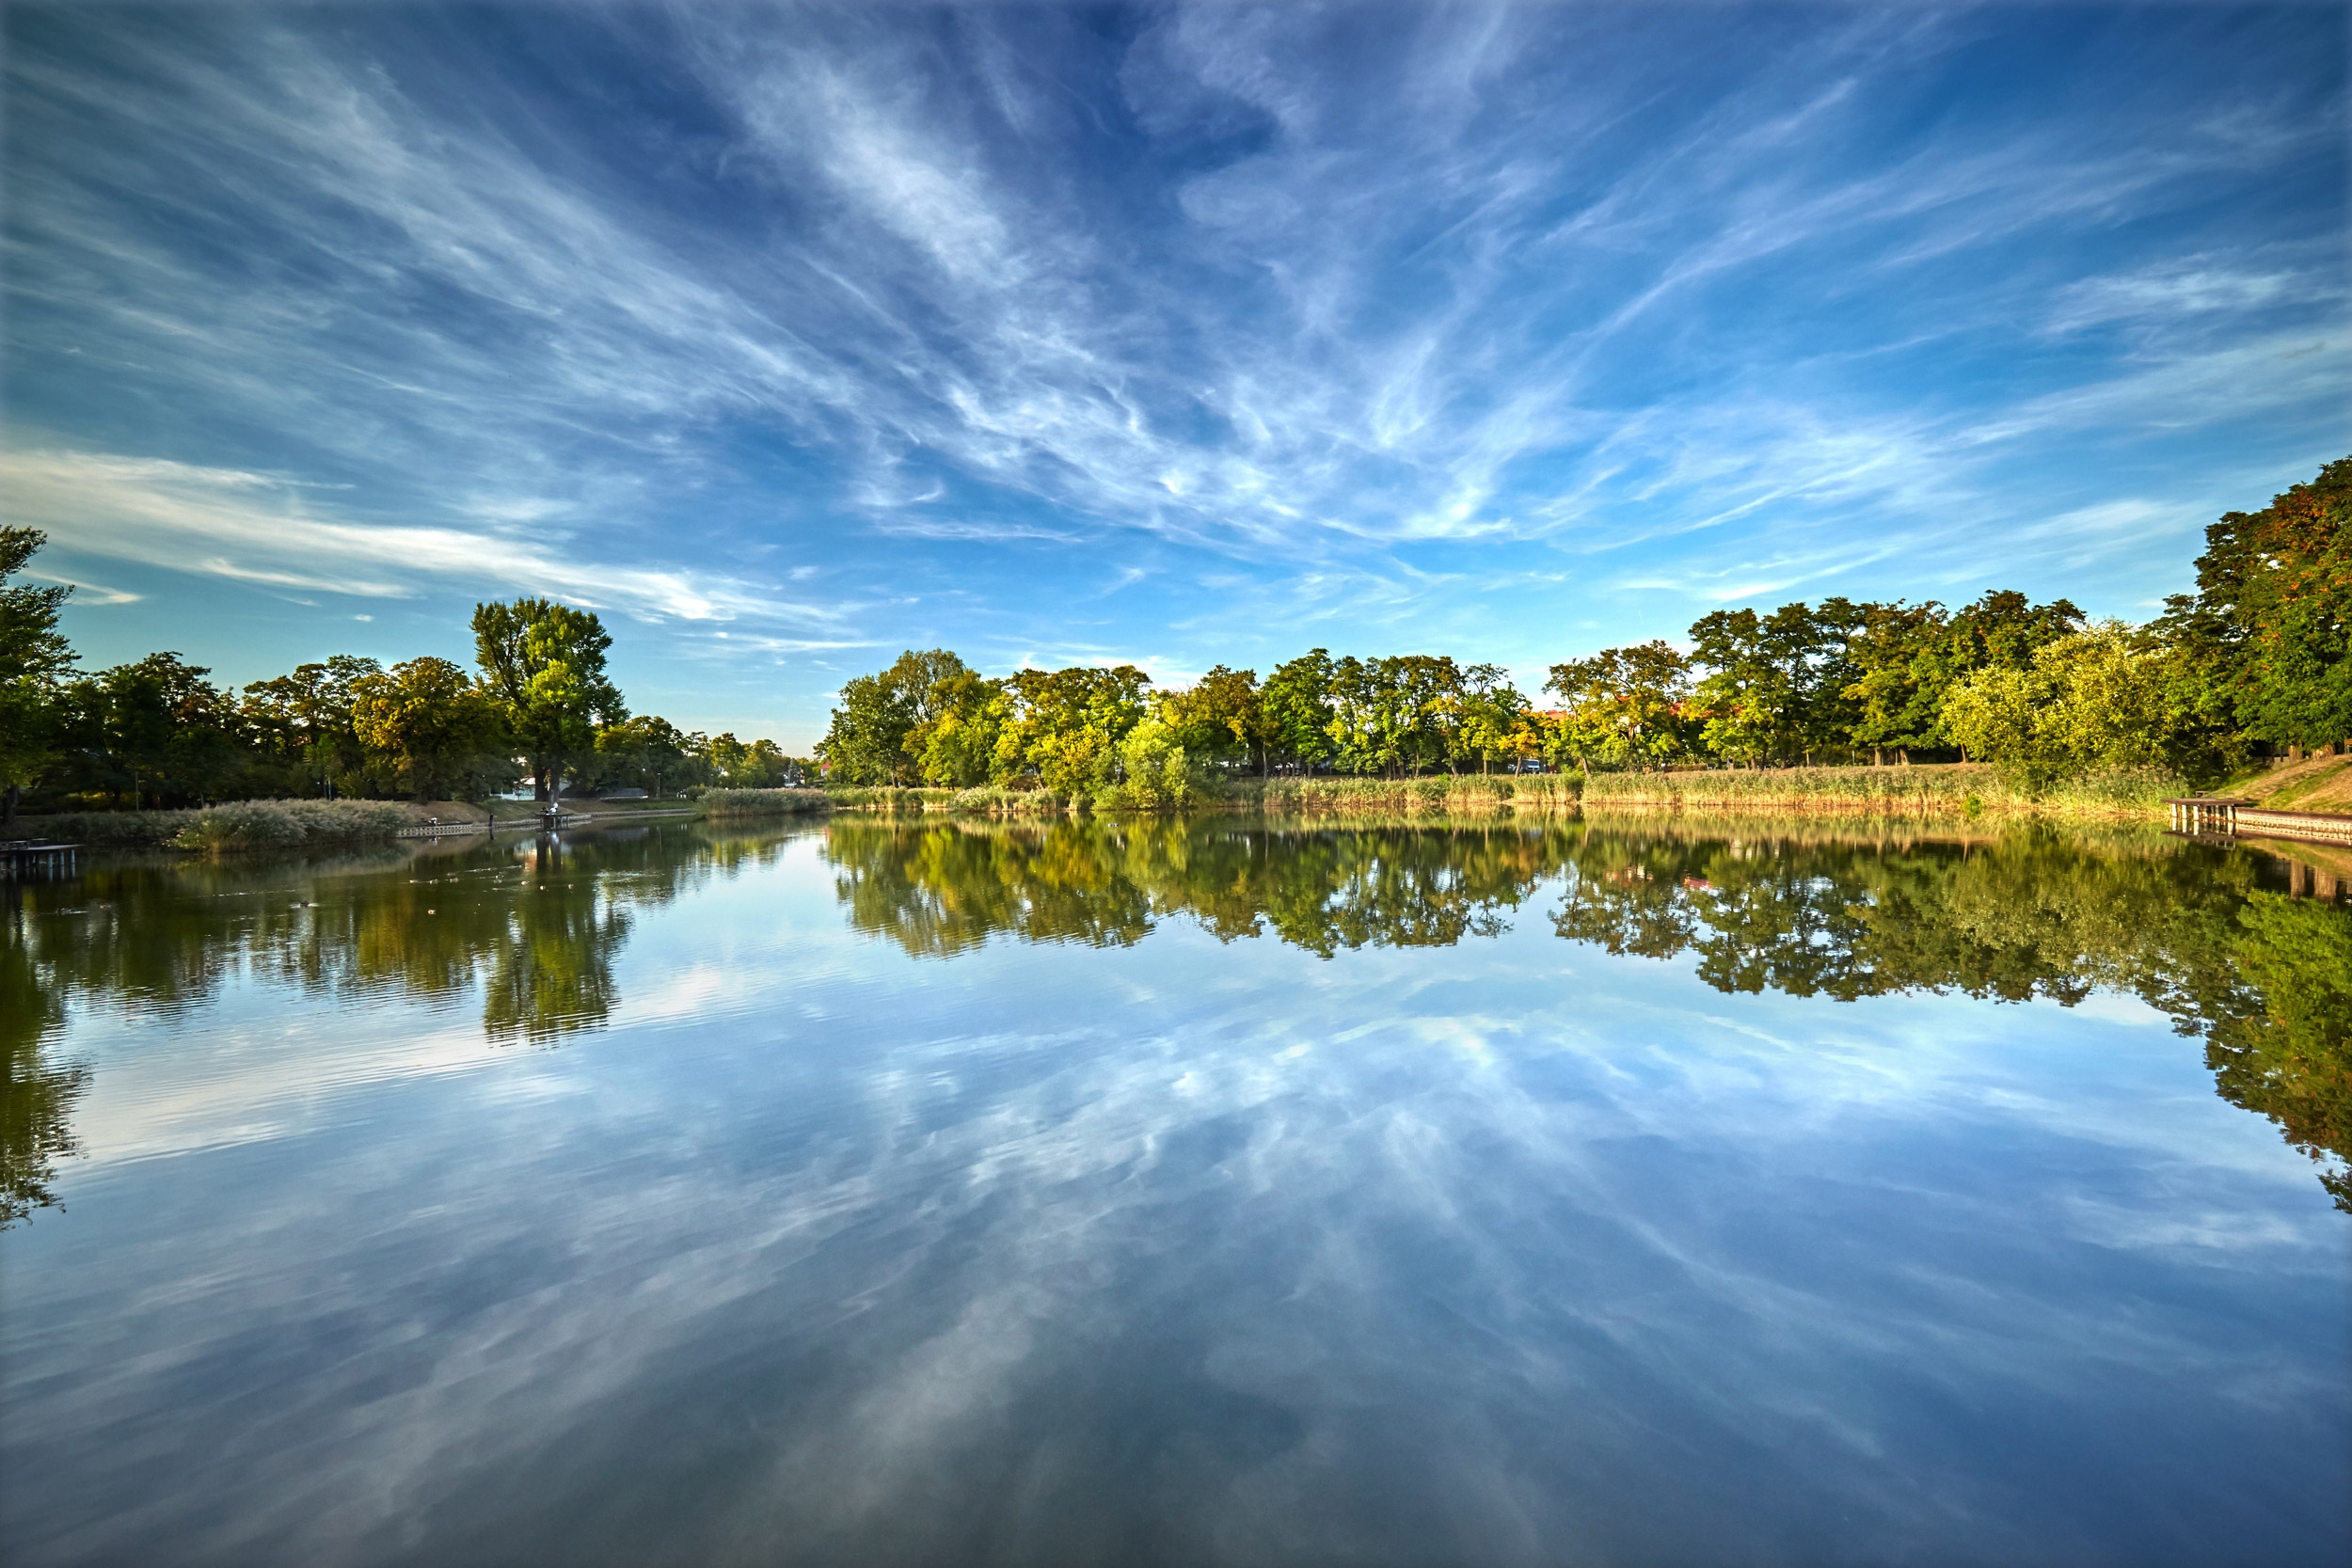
{"x":1774,"y":686}
{"x":645,"y":753}
{"x":34,"y":659}
{"x":2002,"y":630}
{"x":1489,"y":718}
{"x":1295,"y":708}
{"x":302,"y":722}
{"x":433,"y":729}
{"x":1896,"y":704}
{"x":1065,"y":725}
{"x":1221,"y":716}
{"x":2267,"y":639}
{"x":153,"y":732}
{"x":1623,"y":706}
{"x":2094,"y":701}
{"x":543,"y":663}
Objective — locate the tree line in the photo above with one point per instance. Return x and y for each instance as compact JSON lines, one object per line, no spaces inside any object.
{"x":538,"y":705}
{"x":2253,"y":662}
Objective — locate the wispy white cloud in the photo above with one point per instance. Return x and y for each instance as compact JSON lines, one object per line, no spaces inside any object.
{"x":1272,"y":288}
{"x":256,"y":528}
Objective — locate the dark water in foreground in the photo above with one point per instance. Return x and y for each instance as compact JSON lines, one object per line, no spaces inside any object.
{"x":1187,"y":1193}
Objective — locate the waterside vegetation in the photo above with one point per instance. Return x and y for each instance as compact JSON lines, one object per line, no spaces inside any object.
{"x":1772,"y":708}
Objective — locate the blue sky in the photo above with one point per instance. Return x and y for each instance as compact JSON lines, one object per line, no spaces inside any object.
{"x":788,"y":337}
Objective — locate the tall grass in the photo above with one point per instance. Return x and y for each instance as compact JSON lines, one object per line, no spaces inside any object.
{"x":1939,"y":789}
{"x":993,"y":801}
{"x":1439,"y":795}
{"x":990,"y":799}
{"x":231,"y":825}
{"x":763,"y":803}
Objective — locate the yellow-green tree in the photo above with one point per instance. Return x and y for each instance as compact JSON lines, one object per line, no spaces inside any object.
{"x":431,"y":728}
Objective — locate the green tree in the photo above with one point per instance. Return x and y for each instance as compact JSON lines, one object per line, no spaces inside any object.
{"x":155,"y":730}
{"x":2003,"y":630}
{"x":1623,"y":706}
{"x":1065,"y":725}
{"x":543,"y":663}
{"x":431,"y":728}
{"x":1294,"y":709}
{"x":1391,"y":715}
{"x":302,"y":723}
{"x":1765,"y":696}
{"x":2094,"y":701}
{"x":746,"y":764}
{"x":34,"y":659}
{"x":644,"y":753}
{"x":1221,"y":716}
{"x":1489,"y":718}
{"x":957,"y":714}
{"x":2266,"y":640}
{"x":1897,"y":703}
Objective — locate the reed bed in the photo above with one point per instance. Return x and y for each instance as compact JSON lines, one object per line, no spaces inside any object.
{"x":764,"y":802}
{"x":1438,"y":795}
{"x":231,"y":825}
{"x":1940,"y":789}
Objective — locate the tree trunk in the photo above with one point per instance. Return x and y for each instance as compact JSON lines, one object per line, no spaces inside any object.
{"x":1878,"y":758}
{"x":7,"y":805}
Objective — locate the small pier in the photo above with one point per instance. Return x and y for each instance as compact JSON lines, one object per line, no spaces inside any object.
{"x":2221,"y":815}
{"x":24,"y":857}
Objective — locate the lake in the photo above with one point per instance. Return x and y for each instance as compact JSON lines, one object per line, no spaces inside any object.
{"x":1220,"y":1191}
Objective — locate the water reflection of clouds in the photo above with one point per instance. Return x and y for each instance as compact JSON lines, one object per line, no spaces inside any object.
{"x":1197,"y":1251}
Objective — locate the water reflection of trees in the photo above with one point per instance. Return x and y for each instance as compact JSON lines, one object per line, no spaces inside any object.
{"x":37,"y":1094}
{"x":2265,"y":980}
{"x":945,"y":888}
{"x":534,"y":927}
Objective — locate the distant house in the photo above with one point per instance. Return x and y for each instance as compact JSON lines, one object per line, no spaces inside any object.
{"x":626,"y":795}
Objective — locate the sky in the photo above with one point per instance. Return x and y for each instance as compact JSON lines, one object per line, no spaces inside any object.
{"x":786,"y":338}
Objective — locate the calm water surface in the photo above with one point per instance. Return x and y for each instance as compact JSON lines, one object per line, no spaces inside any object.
{"x":1220,"y":1191}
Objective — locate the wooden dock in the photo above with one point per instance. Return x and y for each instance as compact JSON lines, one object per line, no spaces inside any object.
{"x":2235,"y":819}
{"x":24,"y":857}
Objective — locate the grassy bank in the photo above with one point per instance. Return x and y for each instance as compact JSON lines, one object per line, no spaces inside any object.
{"x":1945,"y":790}
{"x":2315,"y":783}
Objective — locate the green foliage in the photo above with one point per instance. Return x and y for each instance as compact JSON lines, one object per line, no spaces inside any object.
{"x":301,"y":726}
{"x":2291,"y":1059}
{"x":441,"y":735}
{"x":1623,"y":706}
{"x":543,"y":663}
{"x":2266,"y":641}
{"x":1296,"y":709}
{"x":1064,"y":726}
{"x":2094,"y":701}
{"x":1221,"y":716}
{"x":34,"y":659}
{"x":154,"y":730}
